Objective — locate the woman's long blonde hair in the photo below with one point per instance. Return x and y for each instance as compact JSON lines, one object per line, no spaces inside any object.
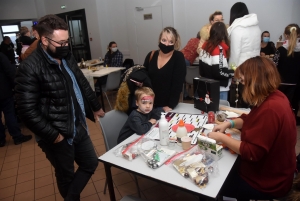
{"x":292,"y":30}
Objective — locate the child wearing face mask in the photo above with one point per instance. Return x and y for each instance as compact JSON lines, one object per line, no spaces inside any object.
{"x":113,"y":57}
{"x":267,"y":47}
{"x":140,"y":120}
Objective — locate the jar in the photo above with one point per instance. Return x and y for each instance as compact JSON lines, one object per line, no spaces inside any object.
{"x":211,"y":117}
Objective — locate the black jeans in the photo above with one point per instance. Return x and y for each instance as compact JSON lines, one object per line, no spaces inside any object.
{"x":235,"y":187}
{"x":62,"y":156}
{"x":8,"y":108}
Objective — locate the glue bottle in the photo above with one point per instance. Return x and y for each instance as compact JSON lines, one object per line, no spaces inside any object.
{"x":163,"y":131}
{"x":181,"y":131}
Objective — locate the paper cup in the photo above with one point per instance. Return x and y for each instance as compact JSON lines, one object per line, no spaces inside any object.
{"x":186,"y":142}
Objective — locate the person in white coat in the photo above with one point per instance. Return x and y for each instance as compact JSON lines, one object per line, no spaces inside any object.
{"x":244,"y":34}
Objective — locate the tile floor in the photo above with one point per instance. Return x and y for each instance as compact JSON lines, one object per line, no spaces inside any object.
{"x":26,"y":175}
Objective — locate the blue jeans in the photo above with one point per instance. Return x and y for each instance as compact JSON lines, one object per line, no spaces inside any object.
{"x":8,"y":108}
{"x":62,"y":156}
{"x":187,"y":62}
{"x":224,"y":95}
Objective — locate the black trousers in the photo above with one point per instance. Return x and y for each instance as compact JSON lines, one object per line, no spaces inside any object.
{"x":62,"y":156}
{"x":235,"y":187}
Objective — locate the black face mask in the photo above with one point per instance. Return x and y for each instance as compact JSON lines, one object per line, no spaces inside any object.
{"x":165,"y":49}
{"x":60,"y":52}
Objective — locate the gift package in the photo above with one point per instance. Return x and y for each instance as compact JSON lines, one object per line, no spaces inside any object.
{"x":196,"y":165}
{"x":206,"y":94}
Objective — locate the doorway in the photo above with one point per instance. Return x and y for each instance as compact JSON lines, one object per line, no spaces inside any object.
{"x":78,"y":34}
{"x":148,"y":26}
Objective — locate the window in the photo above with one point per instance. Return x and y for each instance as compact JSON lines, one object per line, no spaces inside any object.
{"x":10,"y":28}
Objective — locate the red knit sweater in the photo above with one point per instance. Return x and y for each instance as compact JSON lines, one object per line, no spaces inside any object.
{"x":268,"y":146}
{"x":190,"y":50}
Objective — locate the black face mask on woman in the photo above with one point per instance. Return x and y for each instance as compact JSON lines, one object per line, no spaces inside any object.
{"x":165,"y":48}
{"x":60,"y":52}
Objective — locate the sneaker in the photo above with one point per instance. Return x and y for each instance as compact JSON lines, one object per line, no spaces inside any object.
{"x":22,"y":139}
{"x":2,"y":143}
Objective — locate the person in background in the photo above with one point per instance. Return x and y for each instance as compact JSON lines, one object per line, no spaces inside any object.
{"x":190,"y":54}
{"x":267,"y":47}
{"x":7,"y":106}
{"x":267,"y":160}
{"x":19,"y":44}
{"x":244,"y":36}
{"x":113,"y":57}
{"x":54,"y":99}
{"x":143,"y":118}
{"x":214,"y":54}
{"x":166,"y":68}
{"x":25,"y":39}
{"x":34,"y":45}
{"x":7,"y":48}
{"x":287,"y":59}
{"x":217,"y":16}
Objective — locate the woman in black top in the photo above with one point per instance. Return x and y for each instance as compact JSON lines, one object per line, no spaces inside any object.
{"x":267,"y":47}
{"x":167,"y":69}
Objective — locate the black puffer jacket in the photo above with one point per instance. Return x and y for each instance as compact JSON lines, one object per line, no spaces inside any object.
{"x":44,"y":99}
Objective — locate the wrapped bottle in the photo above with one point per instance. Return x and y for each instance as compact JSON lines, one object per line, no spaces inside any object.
{"x":163,"y":131}
{"x":181,"y":132}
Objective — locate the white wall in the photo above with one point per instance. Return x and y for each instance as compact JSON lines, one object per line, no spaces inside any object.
{"x":17,"y":9}
{"x":273,"y":15}
{"x":109,"y":20}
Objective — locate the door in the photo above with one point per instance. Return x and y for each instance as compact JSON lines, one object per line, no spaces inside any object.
{"x":149,"y":24}
{"x":78,"y":34}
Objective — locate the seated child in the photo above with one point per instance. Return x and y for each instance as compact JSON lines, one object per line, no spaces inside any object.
{"x":140,"y":120}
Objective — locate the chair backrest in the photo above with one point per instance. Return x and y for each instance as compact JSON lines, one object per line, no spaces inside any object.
{"x":191,"y":73}
{"x":111,"y":125}
{"x":113,"y":81}
{"x":224,"y":102}
{"x":128,"y":63}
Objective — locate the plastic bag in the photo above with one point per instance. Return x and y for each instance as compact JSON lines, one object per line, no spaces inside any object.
{"x":196,"y":165}
{"x":153,"y":155}
{"x":129,"y":151}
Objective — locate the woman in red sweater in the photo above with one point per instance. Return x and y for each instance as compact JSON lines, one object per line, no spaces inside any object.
{"x":266,"y":164}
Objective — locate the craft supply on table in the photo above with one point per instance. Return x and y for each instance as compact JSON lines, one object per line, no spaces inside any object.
{"x":211,"y":117}
{"x":163,"y":131}
{"x":196,"y":120}
{"x":186,"y":142}
{"x":180,"y":132}
{"x":196,"y":165}
{"x":210,"y":146}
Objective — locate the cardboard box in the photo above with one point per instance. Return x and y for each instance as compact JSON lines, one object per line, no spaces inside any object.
{"x":210,"y":147}
{"x":206,"y":94}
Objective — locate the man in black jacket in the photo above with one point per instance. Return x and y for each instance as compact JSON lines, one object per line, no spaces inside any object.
{"x":53,"y":98}
{"x":7,"y":75}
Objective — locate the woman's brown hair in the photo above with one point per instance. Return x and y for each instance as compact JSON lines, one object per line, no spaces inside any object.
{"x":292,"y":30}
{"x":261,"y":78}
{"x":212,"y":16}
{"x":175,"y":35}
{"x":217,"y":34}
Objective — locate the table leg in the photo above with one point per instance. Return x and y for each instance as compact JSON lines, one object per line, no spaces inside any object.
{"x":109,"y":182}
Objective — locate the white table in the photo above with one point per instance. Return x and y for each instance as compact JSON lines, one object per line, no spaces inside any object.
{"x":90,"y":75}
{"x":168,"y":174}
{"x":92,"y":62}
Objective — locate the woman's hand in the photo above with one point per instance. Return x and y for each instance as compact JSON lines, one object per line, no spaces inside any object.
{"x":167,"y":109}
{"x":222,"y":127}
{"x":216,"y":136}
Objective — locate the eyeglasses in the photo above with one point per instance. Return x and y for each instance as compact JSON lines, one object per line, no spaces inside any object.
{"x":62,"y":44}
